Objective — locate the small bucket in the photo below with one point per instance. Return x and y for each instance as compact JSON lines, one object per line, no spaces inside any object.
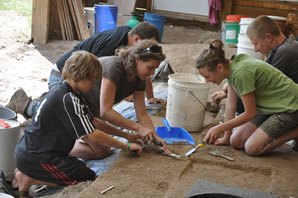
{"x":7,"y":113}
{"x":105,"y":17}
{"x":9,"y":137}
{"x":187,"y":100}
{"x":4,"y":195}
{"x":157,"y":20}
{"x":233,"y":28}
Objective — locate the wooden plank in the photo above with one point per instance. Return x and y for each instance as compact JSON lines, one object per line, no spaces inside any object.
{"x":68,"y":21}
{"x":225,"y":10}
{"x":255,"y":11}
{"x":77,"y":4}
{"x":59,"y":7}
{"x":262,"y":4}
{"x":40,"y":21}
{"x":148,"y":5}
{"x":74,"y":18}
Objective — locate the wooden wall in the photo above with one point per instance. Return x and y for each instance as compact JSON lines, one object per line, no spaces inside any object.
{"x":254,"y":8}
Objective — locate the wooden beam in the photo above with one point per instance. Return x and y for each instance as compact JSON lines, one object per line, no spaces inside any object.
{"x":267,"y":4}
{"x":40,"y":21}
{"x":148,"y":5}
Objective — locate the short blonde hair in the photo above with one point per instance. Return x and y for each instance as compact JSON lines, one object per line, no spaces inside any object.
{"x":82,"y":65}
{"x":262,"y":25}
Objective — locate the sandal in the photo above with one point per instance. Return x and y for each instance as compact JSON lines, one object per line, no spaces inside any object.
{"x":294,"y":145}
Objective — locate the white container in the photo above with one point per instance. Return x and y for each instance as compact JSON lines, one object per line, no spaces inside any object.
{"x":9,"y":137}
{"x":245,"y":46}
{"x":4,"y":195}
{"x":244,"y":23}
{"x":183,"y":108}
{"x":89,"y":14}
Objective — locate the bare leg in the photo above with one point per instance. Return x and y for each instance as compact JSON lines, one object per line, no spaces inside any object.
{"x":24,"y":182}
{"x":241,"y":134}
{"x":260,"y":143}
{"x":82,"y":150}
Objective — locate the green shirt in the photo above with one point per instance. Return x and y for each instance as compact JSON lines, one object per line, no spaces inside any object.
{"x":274,"y":92}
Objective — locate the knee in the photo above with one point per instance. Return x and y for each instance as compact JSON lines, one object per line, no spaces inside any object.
{"x":252,"y":150}
{"x":236,"y":142}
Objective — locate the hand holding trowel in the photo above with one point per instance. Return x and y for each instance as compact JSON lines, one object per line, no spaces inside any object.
{"x":201,"y":144}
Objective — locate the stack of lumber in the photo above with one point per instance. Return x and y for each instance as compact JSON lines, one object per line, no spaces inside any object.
{"x":72,"y":20}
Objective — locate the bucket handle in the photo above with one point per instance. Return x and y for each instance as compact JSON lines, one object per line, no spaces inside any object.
{"x":190,"y":91}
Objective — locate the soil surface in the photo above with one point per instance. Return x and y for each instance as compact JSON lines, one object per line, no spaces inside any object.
{"x":149,"y":174}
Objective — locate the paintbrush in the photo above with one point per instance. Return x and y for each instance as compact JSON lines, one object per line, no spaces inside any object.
{"x":201,"y":144}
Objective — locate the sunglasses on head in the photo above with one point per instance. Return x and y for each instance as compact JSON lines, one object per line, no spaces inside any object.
{"x":153,"y":49}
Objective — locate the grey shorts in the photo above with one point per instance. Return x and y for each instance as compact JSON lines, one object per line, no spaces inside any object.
{"x":276,"y":124}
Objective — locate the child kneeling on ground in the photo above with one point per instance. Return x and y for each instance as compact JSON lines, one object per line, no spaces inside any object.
{"x":43,"y":154}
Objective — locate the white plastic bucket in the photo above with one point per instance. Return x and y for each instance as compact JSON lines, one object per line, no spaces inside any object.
{"x":244,"y":23}
{"x":245,"y":46}
{"x":4,"y":195}
{"x":187,"y":99}
{"x":9,"y":137}
{"x":89,"y":14}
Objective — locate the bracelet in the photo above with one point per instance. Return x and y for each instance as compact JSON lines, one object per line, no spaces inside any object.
{"x":128,"y":147}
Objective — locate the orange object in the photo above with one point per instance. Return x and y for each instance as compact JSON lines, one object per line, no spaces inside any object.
{"x":4,"y":124}
{"x":235,"y":18}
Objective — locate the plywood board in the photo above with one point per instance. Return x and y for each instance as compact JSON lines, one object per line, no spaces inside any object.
{"x":40,"y":21}
{"x":78,"y":7}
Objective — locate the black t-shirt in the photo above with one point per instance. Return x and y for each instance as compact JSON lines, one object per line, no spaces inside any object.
{"x":285,"y":58}
{"x":114,"y":70}
{"x":101,"y":44}
{"x":61,"y":119}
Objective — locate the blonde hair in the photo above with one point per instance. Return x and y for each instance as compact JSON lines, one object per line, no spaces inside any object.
{"x":212,"y":56}
{"x":129,"y":55}
{"x":262,"y":25}
{"x":82,"y":65}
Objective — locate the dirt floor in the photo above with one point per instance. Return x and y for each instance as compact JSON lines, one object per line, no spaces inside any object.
{"x":149,"y":174}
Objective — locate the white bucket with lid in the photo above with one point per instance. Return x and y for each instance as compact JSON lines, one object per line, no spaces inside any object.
{"x":187,"y":99}
{"x":245,"y":46}
{"x":9,"y":137}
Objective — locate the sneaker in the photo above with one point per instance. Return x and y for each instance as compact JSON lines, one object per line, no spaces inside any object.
{"x":19,"y":102}
{"x":294,"y":145}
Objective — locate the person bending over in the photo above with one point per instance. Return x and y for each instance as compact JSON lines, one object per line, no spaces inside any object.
{"x":43,"y":153}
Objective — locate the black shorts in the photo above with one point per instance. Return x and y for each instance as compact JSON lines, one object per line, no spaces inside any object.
{"x":58,"y":170}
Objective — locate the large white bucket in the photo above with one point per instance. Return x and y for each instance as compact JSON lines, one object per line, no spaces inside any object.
{"x":9,"y":137}
{"x":245,"y":46}
{"x":187,"y":99}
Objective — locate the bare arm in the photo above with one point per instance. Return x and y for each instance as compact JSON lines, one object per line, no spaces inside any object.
{"x":146,"y":126}
{"x":150,"y":95}
{"x":249,"y":113}
{"x":109,"y":129}
{"x":98,"y":137}
{"x":107,"y":98}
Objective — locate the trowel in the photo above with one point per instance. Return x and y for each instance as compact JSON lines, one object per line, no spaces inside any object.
{"x":201,"y":144}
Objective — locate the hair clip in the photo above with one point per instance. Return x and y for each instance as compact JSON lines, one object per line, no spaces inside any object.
{"x":211,"y":46}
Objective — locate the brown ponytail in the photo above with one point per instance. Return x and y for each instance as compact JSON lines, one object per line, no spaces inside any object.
{"x":212,"y":56}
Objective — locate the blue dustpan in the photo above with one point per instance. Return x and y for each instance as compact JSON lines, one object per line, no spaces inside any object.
{"x":174,"y":135}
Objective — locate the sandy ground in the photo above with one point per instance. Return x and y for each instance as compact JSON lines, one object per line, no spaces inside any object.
{"x":149,"y":174}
